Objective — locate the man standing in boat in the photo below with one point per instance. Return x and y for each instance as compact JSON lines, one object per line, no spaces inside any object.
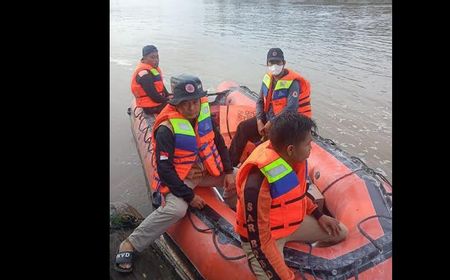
{"x":189,"y":151}
{"x":282,"y":90}
{"x":273,"y":207}
{"x":147,"y":82}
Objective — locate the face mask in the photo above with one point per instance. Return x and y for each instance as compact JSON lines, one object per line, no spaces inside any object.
{"x":275,"y":69}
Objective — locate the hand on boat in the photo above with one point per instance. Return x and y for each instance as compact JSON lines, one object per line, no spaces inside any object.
{"x":230,"y":183}
{"x":197,"y":202}
{"x":267,"y":127}
{"x":330,"y":225}
{"x":260,"y":127}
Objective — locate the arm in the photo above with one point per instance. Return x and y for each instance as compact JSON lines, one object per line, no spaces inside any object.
{"x":260,"y":115}
{"x":223,"y":150}
{"x":145,"y":79}
{"x":257,"y":202}
{"x":312,"y":209}
{"x":165,"y":147}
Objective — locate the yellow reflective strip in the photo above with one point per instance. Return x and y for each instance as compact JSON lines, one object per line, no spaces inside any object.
{"x":204,"y":111}
{"x":276,"y":170}
{"x":283,"y":84}
{"x":266,"y":80}
{"x":154,"y":72}
{"x":182,"y":126}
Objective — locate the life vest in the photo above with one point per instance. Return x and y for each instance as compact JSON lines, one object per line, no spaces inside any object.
{"x":279,"y":95}
{"x":142,"y":99}
{"x":190,"y":143}
{"x":287,"y":189}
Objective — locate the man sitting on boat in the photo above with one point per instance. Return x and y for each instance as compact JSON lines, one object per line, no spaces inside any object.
{"x":273,"y":207}
{"x":147,"y":82}
{"x":282,"y":90}
{"x":188,"y":151}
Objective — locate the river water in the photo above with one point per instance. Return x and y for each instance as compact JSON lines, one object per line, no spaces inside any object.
{"x":344,"y":50}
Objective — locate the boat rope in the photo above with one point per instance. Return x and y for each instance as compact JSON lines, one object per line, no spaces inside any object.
{"x":196,"y":227}
{"x":138,"y":115}
{"x":340,"y":178}
{"x":147,"y":139}
{"x":309,"y":263}
{"x":214,"y":230}
{"x":356,"y":272}
{"x":364,"y":233}
{"x":146,"y":129}
{"x":300,"y":269}
{"x":228,"y":126}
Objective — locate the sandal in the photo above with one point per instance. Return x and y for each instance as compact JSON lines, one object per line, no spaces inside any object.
{"x":125,"y":257}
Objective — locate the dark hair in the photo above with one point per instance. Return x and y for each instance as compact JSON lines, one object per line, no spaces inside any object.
{"x":148,"y":50}
{"x":289,"y":128}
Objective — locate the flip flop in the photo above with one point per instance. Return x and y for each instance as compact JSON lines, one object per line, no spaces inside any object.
{"x":124,"y":257}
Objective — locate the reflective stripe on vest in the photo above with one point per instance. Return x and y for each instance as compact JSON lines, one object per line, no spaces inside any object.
{"x":184,"y":135}
{"x":204,"y":120}
{"x":281,"y":89}
{"x":266,"y":85}
{"x":280,"y":176}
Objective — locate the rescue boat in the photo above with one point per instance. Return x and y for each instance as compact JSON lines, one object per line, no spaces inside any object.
{"x":353,"y":193}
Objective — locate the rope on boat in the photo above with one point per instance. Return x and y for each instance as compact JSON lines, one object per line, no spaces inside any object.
{"x":340,"y":178}
{"x":364,"y":233}
{"x":308,"y":261}
{"x":214,"y":230}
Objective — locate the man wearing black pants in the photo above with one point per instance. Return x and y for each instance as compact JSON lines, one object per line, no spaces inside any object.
{"x":282,"y":90}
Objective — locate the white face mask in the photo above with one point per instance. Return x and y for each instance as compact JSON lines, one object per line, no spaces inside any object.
{"x":275,"y":69}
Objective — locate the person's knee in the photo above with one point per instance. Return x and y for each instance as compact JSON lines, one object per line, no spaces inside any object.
{"x":178,"y":212}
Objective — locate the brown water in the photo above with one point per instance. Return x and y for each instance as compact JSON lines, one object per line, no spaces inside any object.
{"x":344,"y":50}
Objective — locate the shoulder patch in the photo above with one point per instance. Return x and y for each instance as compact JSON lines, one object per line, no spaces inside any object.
{"x":142,"y":73}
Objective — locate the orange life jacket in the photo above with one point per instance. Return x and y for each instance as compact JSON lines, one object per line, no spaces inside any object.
{"x":279,"y":95}
{"x":287,"y":189}
{"x":190,"y":143}
{"x":142,"y":99}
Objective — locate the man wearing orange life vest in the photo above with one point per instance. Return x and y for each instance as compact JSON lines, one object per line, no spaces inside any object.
{"x":272,"y":206}
{"x":282,"y":90}
{"x":147,"y":82}
{"x":188,"y":151}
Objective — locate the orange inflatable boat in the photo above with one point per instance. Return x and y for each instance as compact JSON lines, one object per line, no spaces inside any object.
{"x":353,"y":193}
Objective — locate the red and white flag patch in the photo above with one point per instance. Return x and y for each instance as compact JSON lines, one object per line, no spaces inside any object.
{"x":142,"y":73}
{"x":163,"y":156}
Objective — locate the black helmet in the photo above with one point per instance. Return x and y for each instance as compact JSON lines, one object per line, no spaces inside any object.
{"x":186,"y":87}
